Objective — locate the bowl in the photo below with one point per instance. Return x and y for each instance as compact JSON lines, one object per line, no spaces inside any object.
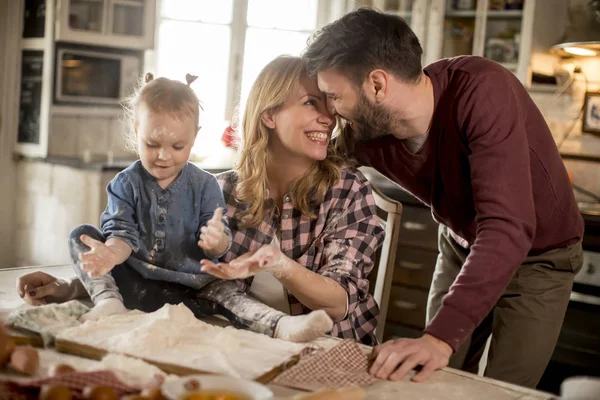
{"x":176,"y":389}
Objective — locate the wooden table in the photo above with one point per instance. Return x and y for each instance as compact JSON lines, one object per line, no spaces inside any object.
{"x":445,"y":384}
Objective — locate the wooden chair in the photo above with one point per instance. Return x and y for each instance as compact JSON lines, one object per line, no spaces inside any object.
{"x":389,"y":213}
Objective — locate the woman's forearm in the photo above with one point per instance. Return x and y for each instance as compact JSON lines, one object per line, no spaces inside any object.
{"x":315,"y":291}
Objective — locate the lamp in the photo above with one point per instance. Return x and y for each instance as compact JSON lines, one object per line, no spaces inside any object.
{"x":582,"y":36}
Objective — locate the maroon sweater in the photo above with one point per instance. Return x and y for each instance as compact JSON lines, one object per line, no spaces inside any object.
{"x":491,"y":172}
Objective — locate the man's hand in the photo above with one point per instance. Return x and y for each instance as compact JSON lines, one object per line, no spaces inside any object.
{"x":267,"y":258}
{"x":394,"y":358}
{"x":99,"y":260}
{"x":38,"y":288}
{"x":213,"y":239}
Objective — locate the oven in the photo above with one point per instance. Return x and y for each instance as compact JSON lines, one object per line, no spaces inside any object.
{"x":577,"y":352}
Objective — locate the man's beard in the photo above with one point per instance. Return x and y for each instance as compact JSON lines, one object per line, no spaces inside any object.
{"x":371,"y":121}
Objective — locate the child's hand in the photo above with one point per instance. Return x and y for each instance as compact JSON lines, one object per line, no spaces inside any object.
{"x":99,"y":260}
{"x":213,"y":239}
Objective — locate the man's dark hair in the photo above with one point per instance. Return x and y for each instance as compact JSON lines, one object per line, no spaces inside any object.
{"x":364,"y":40}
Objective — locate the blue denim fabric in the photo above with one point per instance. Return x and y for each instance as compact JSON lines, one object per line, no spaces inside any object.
{"x":225,"y":298}
{"x":162,"y":226}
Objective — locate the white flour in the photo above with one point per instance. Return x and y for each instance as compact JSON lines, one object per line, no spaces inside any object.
{"x":160,"y":132}
{"x":173,"y":335}
{"x":135,"y":372}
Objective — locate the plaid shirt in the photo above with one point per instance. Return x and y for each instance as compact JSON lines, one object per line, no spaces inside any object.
{"x":339,"y":243}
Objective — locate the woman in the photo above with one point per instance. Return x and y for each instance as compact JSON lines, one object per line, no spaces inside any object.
{"x":319,"y":214}
{"x":295,"y":210}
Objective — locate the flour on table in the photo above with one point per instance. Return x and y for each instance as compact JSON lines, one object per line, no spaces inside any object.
{"x":173,"y":335}
{"x":48,"y":320}
{"x":135,"y":372}
{"x":442,"y":385}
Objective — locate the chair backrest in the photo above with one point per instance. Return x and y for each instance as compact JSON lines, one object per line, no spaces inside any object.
{"x":387,"y":259}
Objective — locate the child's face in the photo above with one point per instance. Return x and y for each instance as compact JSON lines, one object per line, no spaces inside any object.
{"x":164,"y":144}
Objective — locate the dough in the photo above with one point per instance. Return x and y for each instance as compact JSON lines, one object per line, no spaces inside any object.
{"x":48,"y":320}
{"x":173,"y":335}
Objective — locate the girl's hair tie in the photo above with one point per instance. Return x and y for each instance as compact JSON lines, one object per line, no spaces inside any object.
{"x":189,"y":78}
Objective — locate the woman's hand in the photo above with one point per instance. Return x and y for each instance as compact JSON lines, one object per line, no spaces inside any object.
{"x":100,"y":259}
{"x":267,"y":258}
{"x":38,"y":288}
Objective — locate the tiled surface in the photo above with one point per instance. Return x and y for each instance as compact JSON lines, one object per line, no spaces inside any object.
{"x":562,"y":111}
{"x":52,"y":200}
{"x":73,"y":135}
{"x":562,"y":114}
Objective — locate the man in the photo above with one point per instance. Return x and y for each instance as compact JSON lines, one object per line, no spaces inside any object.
{"x":465,"y":138}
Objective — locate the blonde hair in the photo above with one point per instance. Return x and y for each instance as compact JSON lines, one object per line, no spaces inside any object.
{"x":162,"y":96}
{"x":274,"y":84}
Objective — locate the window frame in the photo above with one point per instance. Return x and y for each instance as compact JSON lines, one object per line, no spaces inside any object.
{"x":327,"y":10}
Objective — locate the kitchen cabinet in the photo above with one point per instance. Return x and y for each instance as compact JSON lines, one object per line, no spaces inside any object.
{"x":110,"y":23}
{"x":114,"y":29}
{"x":515,"y":33}
{"x":511,"y":32}
{"x":577,"y":352}
{"x":416,"y":256}
{"x":36,"y":75}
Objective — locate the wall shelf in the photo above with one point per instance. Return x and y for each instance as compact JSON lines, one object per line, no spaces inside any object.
{"x":461,"y":14}
{"x":129,"y":3}
{"x":505,"y":14}
{"x":514,"y":38}
{"x":510,"y":66}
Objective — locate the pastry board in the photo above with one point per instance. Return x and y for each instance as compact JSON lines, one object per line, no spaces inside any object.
{"x":176,"y":342}
{"x":86,"y":351}
{"x":23,"y":337}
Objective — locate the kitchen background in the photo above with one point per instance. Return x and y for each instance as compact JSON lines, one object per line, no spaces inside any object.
{"x":66,"y":64}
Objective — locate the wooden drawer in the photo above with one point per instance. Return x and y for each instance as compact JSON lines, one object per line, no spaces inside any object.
{"x":417,"y":228}
{"x":395,"y":331}
{"x":408,"y":306}
{"x":414,"y":267}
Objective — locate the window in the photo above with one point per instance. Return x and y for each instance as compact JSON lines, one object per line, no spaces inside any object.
{"x":226,"y":43}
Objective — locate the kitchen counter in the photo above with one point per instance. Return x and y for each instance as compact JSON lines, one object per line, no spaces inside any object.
{"x":95,"y":164}
{"x":389,"y":188}
{"x":589,"y":211}
{"x":101,"y":164}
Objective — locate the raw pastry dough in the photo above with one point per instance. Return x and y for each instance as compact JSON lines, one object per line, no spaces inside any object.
{"x":48,"y":320}
{"x":173,"y":335}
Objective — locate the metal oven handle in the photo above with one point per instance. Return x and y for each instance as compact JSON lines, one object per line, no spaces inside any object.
{"x":585,"y":298}
{"x":405,"y":305}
